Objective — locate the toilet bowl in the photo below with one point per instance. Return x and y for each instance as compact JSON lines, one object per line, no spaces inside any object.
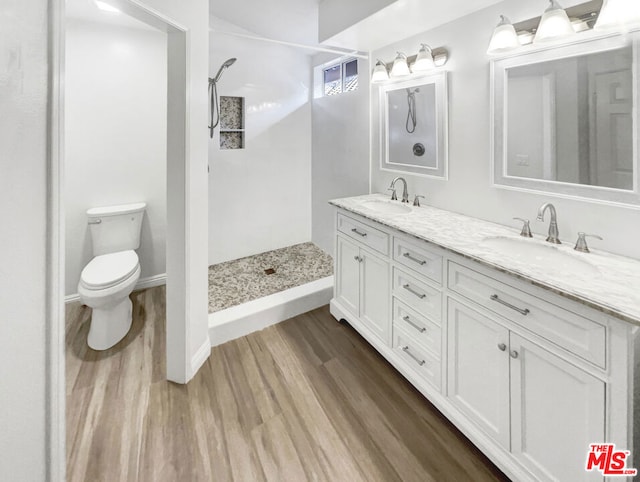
{"x":109,"y":278}
{"x":105,"y":285}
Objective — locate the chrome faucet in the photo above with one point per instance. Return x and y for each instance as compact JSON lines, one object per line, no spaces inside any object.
{"x":405,"y":193}
{"x":553,"y":224}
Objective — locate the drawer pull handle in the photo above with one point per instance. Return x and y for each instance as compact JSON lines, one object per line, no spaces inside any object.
{"x":502,"y":346}
{"x":412,"y":291}
{"x":358,"y":259}
{"x":417,"y":360}
{"x":514,"y":354}
{"x":421,"y":262}
{"x":524,"y":312}
{"x":360,"y":233}
{"x":421,"y":329}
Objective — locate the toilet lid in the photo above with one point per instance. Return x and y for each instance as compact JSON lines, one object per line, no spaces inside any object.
{"x":110,"y":269}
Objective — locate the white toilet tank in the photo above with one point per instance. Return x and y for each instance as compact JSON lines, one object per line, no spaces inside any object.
{"x":115,"y":228}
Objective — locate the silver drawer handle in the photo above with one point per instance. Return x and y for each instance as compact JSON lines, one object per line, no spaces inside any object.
{"x":514,"y":354}
{"x":417,"y":360}
{"x":421,"y":262}
{"x":354,"y":230}
{"x":95,"y":221}
{"x":408,"y":288}
{"x":358,"y":259}
{"x":502,"y":346}
{"x":524,"y":312}
{"x":421,"y":329}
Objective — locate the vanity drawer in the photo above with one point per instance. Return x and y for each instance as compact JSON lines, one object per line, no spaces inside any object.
{"x":371,"y":237}
{"x":425,"y":332}
{"x":573,"y":332}
{"x":426,"y":365}
{"x":423,"y":298}
{"x":418,"y":258}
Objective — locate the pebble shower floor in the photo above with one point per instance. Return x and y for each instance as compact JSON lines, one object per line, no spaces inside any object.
{"x":235,"y":282}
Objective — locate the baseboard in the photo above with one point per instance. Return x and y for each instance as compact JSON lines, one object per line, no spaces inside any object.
{"x":200,"y":357}
{"x":142,"y":284}
{"x":256,"y":315}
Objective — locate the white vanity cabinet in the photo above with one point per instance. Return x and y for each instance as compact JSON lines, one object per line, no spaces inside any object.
{"x":362,"y":277}
{"x":529,"y":376}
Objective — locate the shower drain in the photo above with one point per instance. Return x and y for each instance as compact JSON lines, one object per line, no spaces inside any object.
{"x":269,"y":271}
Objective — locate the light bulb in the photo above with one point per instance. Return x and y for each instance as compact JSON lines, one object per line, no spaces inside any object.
{"x":400,"y":67}
{"x":424,"y":59}
{"x":504,"y":37}
{"x":554,"y":24}
{"x":380,"y":73}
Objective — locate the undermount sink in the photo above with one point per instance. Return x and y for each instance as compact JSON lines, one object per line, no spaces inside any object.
{"x":386,"y":207}
{"x":547,"y":257}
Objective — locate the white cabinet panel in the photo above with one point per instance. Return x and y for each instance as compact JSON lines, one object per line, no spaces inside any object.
{"x":557,"y":410}
{"x":348,"y":275}
{"x":375,"y":294}
{"x":478,"y":370}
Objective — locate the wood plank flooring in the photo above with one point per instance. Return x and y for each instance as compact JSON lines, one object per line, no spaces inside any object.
{"x":307,"y":399}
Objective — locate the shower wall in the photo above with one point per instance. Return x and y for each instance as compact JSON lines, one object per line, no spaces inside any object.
{"x":115,"y":135}
{"x":260,"y":196}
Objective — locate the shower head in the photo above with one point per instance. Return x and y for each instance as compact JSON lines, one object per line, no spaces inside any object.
{"x":225,"y":65}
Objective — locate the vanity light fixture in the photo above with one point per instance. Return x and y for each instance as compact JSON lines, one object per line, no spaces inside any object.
{"x":400,"y":67}
{"x":106,"y":7}
{"x":504,"y":37}
{"x":618,"y":13}
{"x":380,"y":72}
{"x":554,"y":24}
{"x":424,"y":60}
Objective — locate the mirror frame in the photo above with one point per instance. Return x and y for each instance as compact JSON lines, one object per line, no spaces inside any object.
{"x":589,"y":43}
{"x":439,"y":79}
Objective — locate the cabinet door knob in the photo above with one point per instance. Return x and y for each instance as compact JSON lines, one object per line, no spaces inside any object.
{"x":514,"y":354}
{"x":358,"y":259}
{"x":502,"y":346}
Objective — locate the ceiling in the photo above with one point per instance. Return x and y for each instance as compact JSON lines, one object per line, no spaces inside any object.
{"x":287,"y":20}
{"x":88,"y":11}
{"x":297,"y":20}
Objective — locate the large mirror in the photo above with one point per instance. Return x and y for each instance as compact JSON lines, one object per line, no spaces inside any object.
{"x":565,"y":120}
{"x":413,"y":126}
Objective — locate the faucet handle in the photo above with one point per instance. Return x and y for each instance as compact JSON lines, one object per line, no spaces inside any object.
{"x":394,"y":196}
{"x":581,"y":243}
{"x":416,"y":200}
{"x":526,"y":229}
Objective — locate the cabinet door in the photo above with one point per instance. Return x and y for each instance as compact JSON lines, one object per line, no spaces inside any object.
{"x":348,"y":275}
{"x":478,"y":370}
{"x":375,"y":295}
{"x":557,"y":411}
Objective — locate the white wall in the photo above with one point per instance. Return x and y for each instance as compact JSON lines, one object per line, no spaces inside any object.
{"x":340,"y":153}
{"x":115,"y":132}
{"x":259,"y":196}
{"x":334,"y":16}
{"x":468,"y":190}
{"x":23,"y":240}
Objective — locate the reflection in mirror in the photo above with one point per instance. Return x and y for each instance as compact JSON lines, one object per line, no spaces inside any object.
{"x":564,"y":119}
{"x":413,"y":126}
{"x":570,"y":120}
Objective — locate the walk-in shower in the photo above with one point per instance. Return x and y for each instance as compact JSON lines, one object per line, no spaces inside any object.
{"x":214,"y":107}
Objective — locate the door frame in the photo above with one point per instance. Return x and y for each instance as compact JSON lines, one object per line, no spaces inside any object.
{"x":179,"y":363}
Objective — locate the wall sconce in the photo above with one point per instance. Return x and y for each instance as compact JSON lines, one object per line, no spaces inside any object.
{"x":552,"y":25}
{"x":400,"y":66}
{"x":426,"y":59}
{"x":380,"y":72}
{"x":504,"y":37}
{"x":618,"y":13}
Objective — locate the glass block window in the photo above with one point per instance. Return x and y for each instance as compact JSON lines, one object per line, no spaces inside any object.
{"x":342,"y":77}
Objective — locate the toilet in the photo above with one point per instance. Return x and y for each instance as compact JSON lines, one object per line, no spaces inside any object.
{"x":109,"y":278}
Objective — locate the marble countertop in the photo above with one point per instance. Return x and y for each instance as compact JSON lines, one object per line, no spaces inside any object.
{"x":601,"y":280}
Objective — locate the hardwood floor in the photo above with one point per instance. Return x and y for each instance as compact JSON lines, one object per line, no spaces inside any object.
{"x":307,"y":399}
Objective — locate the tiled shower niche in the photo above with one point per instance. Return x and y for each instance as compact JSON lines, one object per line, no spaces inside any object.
{"x":231,"y":122}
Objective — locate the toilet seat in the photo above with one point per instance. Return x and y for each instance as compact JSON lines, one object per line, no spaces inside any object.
{"x":108,"y":270}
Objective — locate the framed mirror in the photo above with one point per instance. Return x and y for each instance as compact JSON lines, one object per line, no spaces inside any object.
{"x":565,"y":120}
{"x":413,"y":126}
